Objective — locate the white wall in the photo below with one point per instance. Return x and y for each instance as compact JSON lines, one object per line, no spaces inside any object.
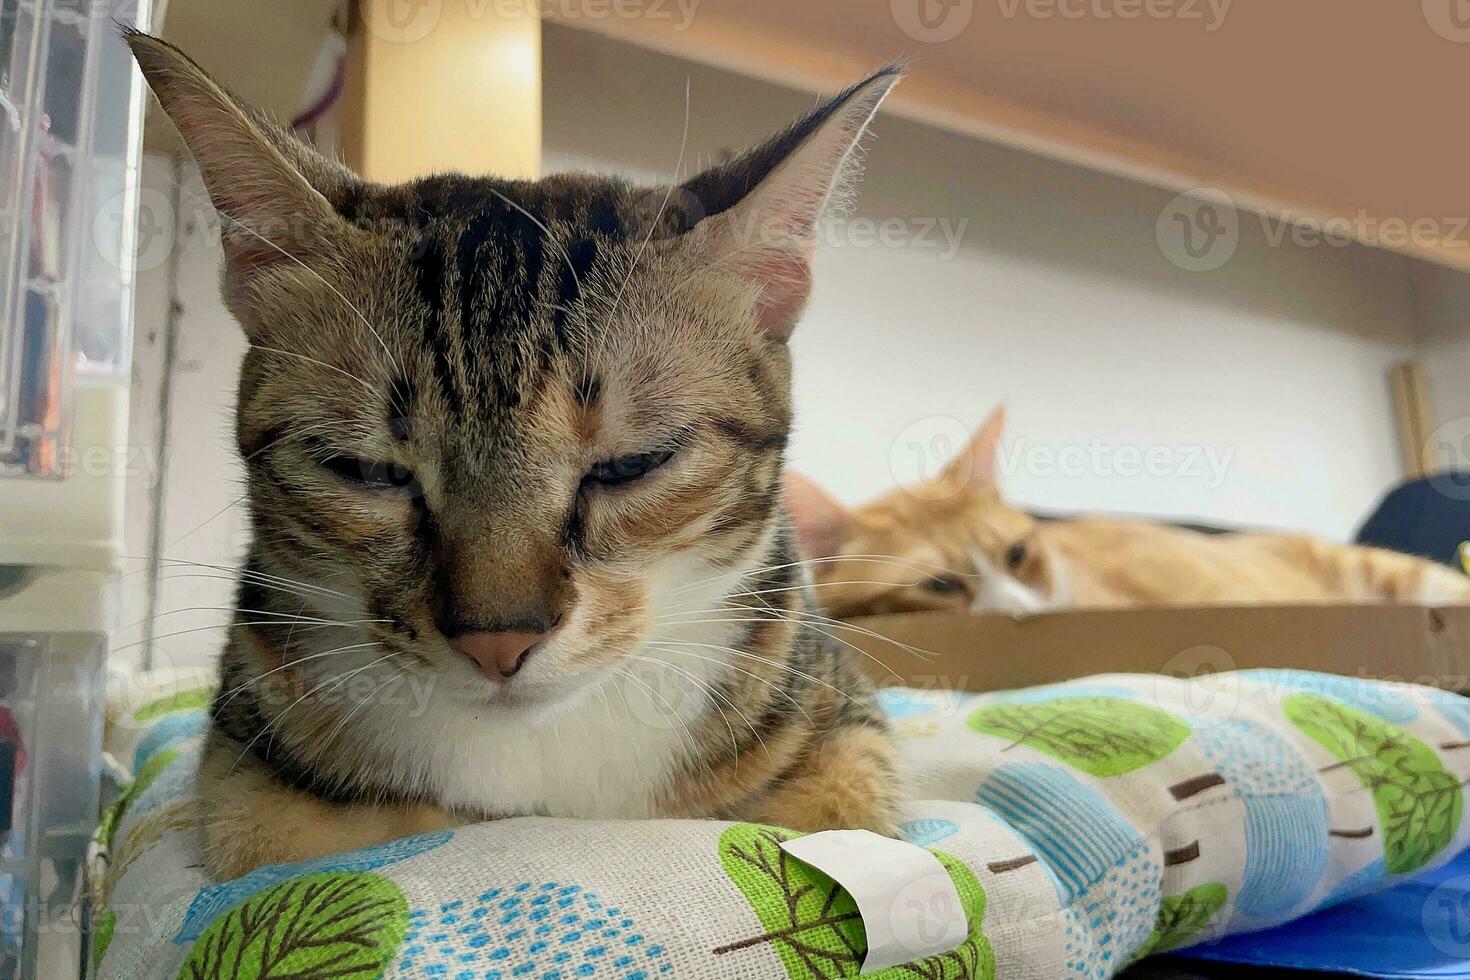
{"x":1059,"y":301}
{"x":203,"y":515}
{"x":1444,"y":302}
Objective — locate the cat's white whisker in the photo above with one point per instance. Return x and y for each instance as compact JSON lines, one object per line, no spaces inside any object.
{"x":341,"y":724}
{"x":922,"y":654}
{"x":829,"y":559}
{"x":746,"y":654}
{"x":280,"y":616}
{"x":663,"y":205}
{"x":337,"y":682}
{"x":229,"y":625}
{"x":228,"y":696}
{"x":670,"y":712}
{"x":672,"y":647}
{"x":714,"y":693}
{"x":330,"y":367}
{"x":550,"y":238}
{"x":392,"y":362}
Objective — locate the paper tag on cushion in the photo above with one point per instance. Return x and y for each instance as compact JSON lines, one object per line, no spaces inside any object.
{"x":908,"y":902}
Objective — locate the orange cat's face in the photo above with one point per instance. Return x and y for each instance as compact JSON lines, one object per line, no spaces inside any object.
{"x":948,"y":543}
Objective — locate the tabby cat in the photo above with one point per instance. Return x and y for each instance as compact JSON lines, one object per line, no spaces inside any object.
{"x":520,"y":443}
{"x":954,"y":543}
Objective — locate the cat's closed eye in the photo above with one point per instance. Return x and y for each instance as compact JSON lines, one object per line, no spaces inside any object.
{"x":945,"y":584}
{"x":372,"y":475}
{"x":626,"y":469}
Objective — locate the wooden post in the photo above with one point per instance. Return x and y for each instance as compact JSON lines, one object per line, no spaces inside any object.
{"x":442,"y":85}
{"x":1415,"y":414}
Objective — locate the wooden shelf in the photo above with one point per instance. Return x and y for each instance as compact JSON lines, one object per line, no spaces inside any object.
{"x":1302,"y":111}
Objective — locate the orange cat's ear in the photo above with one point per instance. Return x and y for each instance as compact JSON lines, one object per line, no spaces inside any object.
{"x":977,"y":465}
{"x":822,"y":523}
{"x":256,"y":174}
{"x":758,"y":213}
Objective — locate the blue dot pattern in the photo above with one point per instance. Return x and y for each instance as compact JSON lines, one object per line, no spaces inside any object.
{"x":1114,"y":917}
{"x":1287,"y":844}
{"x":1254,"y":760}
{"x":546,"y":931}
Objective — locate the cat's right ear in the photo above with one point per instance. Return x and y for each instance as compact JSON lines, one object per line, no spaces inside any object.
{"x":758,"y":214}
{"x":822,"y":523}
{"x":267,"y":186}
{"x":977,"y":466}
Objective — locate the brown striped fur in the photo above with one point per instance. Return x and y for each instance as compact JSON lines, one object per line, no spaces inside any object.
{"x":954,"y":542}
{"x":438,"y":372}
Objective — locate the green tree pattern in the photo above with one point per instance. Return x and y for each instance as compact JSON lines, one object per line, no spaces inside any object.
{"x":814,"y":925}
{"x":1419,"y":802}
{"x":329,"y":924}
{"x":1102,"y":736}
{"x":1182,"y":917}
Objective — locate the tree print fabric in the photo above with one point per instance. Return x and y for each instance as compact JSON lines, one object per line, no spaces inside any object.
{"x":1084,"y":826}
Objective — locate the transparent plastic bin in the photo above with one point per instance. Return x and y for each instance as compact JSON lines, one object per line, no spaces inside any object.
{"x":70,"y":114}
{"x":52,"y":689}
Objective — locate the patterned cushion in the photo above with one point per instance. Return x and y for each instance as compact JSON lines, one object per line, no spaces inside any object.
{"x":1084,"y":825}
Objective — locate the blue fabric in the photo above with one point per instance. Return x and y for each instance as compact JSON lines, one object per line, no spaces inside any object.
{"x":1419,"y":929}
{"x":1429,"y":516}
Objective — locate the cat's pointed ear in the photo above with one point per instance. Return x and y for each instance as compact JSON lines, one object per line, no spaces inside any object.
{"x":269,"y":188}
{"x":977,"y":466}
{"x":767,"y":202}
{"x":821,"y":522}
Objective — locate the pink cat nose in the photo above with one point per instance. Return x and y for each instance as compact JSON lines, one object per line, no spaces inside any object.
{"x":500,"y":655}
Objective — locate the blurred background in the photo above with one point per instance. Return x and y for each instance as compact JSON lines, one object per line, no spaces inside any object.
{"x":1212,"y":255}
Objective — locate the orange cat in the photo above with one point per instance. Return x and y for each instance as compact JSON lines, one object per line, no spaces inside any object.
{"x":953,"y":542}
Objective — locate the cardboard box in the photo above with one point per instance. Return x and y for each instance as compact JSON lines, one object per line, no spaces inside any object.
{"x":989,"y":652}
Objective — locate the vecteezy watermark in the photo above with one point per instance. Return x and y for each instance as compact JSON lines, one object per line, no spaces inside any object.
{"x":1199,"y":230}
{"x":407,"y":21}
{"x":1208,"y":13}
{"x":149,"y":248}
{"x":932,"y":21}
{"x":1208,"y":465}
{"x":1339,"y":231}
{"x":924,"y":450}
{"x":139,"y":463}
{"x":942,"y":235}
{"x":1448,"y":450}
{"x":1211,"y":689}
{"x":1446,"y":917}
{"x":1450,"y":19}
{"x":932,"y":446}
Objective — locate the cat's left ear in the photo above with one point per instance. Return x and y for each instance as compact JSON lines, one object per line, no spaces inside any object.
{"x":759,"y":212}
{"x":271,"y":189}
{"x":977,"y":466}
